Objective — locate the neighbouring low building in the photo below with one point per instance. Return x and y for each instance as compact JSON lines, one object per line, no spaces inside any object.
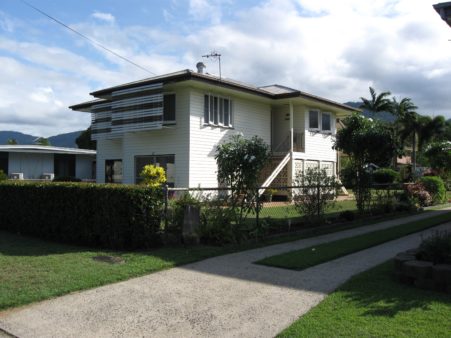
{"x":36,"y":162}
{"x":176,"y":121}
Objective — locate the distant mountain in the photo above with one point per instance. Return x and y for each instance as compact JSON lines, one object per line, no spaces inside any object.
{"x":65,"y":140}
{"x":61,"y":140}
{"x":383,"y":116}
{"x":21,"y":138}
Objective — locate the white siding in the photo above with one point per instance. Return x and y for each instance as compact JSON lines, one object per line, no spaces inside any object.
{"x":171,"y":140}
{"x":106,"y":150}
{"x":318,"y":146}
{"x":83,"y":166}
{"x":249,"y":118}
{"x":31,"y":165}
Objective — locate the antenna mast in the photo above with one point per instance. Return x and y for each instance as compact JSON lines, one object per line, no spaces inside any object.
{"x":215,"y":55}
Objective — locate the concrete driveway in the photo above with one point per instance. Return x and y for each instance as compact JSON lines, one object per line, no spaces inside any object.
{"x":226,"y":296}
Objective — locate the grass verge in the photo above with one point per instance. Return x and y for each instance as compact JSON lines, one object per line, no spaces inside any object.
{"x":34,"y":269}
{"x":372,"y":304}
{"x":307,"y":257}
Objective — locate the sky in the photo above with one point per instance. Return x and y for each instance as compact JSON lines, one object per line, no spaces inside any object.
{"x":335,"y":49}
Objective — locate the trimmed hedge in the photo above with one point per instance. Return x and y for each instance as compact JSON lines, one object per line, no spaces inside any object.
{"x":107,"y":216}
{"x":435,"y":186}
{"x":386,"y":176}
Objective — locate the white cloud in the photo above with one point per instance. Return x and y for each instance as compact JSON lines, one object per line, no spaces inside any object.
{"x":107,"y":17}
{"x":330,"y":48}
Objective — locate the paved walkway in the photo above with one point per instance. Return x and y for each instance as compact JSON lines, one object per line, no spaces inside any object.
{"x":225,"y":296}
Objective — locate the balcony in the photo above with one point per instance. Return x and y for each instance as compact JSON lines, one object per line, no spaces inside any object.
{"x":284,"y":146}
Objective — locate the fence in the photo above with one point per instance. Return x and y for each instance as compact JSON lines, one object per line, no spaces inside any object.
{"x":265,"y":210}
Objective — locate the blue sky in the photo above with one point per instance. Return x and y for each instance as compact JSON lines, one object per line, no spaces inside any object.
{"x":330,"y":48}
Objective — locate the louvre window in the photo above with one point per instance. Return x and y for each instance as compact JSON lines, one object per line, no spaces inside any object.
{"x":217,"y":111}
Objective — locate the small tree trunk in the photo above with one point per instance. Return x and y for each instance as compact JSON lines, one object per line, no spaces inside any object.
{"x":414,"y":154}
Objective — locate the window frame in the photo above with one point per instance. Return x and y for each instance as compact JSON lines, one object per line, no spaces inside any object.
{"x":318,"y":114}
{"x":330,"y":122}
{"x":109,"y":161}
{"x":216,"y":110}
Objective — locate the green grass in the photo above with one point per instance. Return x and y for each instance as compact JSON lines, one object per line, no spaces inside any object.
{"x":372,"y":304}
{"x":289,"y":211}
{"x":304,"y":258}
{"x":34,"y":269}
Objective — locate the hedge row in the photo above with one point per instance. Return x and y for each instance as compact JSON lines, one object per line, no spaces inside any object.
{"x":107,"y":216}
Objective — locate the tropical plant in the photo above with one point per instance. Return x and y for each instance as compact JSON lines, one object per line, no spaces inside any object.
{"x":377,"y":103}
{"x":153,"y":176}
{"x":365,"y":141}
{"x":240,"y":162}
{"x":439,"y":156}
{"x":435,"y":187}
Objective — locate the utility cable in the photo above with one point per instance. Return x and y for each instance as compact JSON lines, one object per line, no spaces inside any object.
{"x":92,"y":41}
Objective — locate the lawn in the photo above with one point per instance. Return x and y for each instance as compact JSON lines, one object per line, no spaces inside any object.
{"x":34,"y":269}
{"x":372,"y":304}
{"x":304,"y":258}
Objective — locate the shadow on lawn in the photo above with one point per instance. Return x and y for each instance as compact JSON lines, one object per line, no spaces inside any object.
{"x":380,"y":295}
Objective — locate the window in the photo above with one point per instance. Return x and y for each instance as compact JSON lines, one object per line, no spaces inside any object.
{"x":325,"y":122}
{"x":313,"y":119}
{"x":113,"y":171}
{"x":217,"y":111}
{"x":165,"y":161}
{"x":169,"y":107}
{"x":316,"y":117}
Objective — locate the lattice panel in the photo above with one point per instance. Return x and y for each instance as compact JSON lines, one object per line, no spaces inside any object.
{"x":282,"y":179}
{"x":329,"y":167}
{"x":298,"y":167}
{"x":311,"y":165}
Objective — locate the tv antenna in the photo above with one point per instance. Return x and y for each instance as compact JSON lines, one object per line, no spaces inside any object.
{"x":216,"y":56}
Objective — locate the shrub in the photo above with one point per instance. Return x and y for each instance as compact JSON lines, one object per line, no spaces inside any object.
{"x":436,"y":248}
{"x":347,"y":215}
{"x":110,"y":216}
{"x":66,"y":179}
{"x":3,"y":176}
{"x":316,"y":194}
{"x":177,"y":207}
{"x":436,"y":187}
{"x":386,"y":176}
{"x":417,"y":194}
{"x":347,"y":177}
{"x":153,"y":176}
{"x":217,"y":224}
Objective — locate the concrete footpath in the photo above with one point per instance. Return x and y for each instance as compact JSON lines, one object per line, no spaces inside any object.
{"x":226,"y":296}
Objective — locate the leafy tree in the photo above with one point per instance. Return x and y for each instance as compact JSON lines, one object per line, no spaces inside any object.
{"x":153,"y":176}
{"x":377,"y":103}
{"x":42,"y":141}
{"x":84,"y":140}
{"x":240,"y":162}
{"x":365,"y":141}
{"x":11,"y":141}
{"x":439,"y":156}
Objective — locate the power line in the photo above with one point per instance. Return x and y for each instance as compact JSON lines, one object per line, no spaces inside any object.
{"x":92,"y":41}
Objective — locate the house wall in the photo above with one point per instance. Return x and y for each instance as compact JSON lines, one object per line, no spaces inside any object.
{"x":83,"y":166}
{"x":318,"y":145}
{"x":170,"y":140}
{"x":249,"y":118}
{"x":30,"y":164}
{"x":106,"y":150}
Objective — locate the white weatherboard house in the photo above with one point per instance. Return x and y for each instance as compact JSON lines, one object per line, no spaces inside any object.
{"x":36,"y":162}
{"x":177,"y":120}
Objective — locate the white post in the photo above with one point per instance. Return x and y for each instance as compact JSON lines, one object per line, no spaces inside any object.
{"x":291,"y":168}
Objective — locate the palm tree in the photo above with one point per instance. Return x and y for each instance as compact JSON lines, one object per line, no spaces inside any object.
{"x":377,"y":103}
